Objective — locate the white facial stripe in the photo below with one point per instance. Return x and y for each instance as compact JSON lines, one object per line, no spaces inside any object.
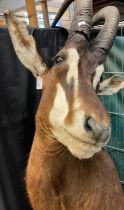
{"x":60,"y":108}
{"x":73,"y":59}
{"x":61,"y":131}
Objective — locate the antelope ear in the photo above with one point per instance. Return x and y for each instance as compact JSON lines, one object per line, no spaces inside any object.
{"x":24,"y":45}
{"x":110,"y":86}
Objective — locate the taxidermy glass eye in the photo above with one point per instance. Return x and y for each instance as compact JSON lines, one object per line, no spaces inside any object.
{"x":58,"y":59}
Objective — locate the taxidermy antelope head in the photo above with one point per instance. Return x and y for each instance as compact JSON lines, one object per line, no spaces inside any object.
{"x":70,"y":112}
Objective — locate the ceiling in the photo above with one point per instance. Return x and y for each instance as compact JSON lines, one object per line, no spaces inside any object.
{"x":55,"y":3}
{"x":16,"y":4}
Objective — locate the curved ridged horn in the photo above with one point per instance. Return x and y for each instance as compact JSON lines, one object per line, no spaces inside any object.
{"x":61,"y":11}
{"x":105,"y":38}
{"x":82,"y":21}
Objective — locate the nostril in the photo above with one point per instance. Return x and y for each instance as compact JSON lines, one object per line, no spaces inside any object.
{"x":91,"y":124}
{"x":88,"y":124}
{"x":100,"y":133}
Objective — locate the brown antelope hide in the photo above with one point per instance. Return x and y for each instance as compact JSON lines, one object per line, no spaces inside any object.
{"x":67,"y":168}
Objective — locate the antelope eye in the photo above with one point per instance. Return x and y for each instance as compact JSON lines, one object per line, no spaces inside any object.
{"x":59,"y":59}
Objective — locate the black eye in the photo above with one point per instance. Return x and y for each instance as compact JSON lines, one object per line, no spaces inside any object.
{"x":59,"y":59}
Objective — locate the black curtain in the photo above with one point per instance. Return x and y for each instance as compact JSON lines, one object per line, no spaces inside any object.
{"x":18,"y":104}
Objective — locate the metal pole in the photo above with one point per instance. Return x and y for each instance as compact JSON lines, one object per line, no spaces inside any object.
{"x":32,"y":15}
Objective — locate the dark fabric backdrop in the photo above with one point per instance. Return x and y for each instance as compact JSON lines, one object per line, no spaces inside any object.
{"x":18,"y":103}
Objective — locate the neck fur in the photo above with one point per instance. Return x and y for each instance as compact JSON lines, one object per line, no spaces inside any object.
{"x":53,"y":171}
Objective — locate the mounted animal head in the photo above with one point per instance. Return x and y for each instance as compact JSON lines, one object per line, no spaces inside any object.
{"x":70,"y":111}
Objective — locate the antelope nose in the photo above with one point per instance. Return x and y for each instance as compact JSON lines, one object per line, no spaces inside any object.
{"x":99,"y":132}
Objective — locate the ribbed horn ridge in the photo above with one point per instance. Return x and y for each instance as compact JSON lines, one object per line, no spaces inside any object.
{"x":82,"y":21}
{"x":61,"y":11}
{"x":105,"y":38}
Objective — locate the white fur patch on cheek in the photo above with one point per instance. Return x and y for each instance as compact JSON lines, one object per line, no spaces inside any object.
{"x":60,"y":108}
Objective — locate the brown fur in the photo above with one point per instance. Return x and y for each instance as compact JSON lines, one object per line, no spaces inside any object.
{"x":55,"y":179}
